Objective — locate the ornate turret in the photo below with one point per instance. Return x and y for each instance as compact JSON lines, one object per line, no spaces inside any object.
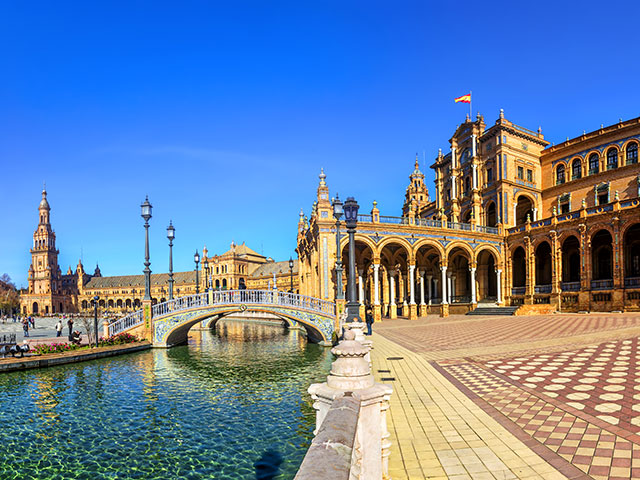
{"x":97,"y":272}
{"x":44,"y":209}
{"x":417,"y":192}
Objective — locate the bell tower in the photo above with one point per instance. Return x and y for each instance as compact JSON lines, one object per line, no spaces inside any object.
{"x":44,"y":270}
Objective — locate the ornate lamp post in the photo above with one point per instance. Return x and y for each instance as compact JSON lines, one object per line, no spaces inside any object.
{"x":351,"y":219}
{"x":291,"y":272}
{"x":196,"y":258}
{"x":337,"y":213}
{"x":171,"y":234}
{"x":95,"y":317}
{"x":146,"y":214}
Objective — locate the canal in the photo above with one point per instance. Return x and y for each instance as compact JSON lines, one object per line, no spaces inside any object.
{"x":206,"y":410}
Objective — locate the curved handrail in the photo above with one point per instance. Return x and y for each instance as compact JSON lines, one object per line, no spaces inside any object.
{"x":226,"y":297}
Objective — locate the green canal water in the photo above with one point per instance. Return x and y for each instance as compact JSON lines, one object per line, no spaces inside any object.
{"x":206,"y":410}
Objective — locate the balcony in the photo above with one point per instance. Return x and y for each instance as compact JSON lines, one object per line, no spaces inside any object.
{"x":542,"y":289}
{"x":518,"y":290}
{"x":570,"y":286}
{"x":632,"y":282}
{"x":601,"y":284}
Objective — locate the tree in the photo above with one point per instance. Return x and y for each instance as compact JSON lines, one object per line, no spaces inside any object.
{"x":9,"y":295}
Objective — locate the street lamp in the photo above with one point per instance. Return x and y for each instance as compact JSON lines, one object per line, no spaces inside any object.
{"x":196,"y":258}
{"x":95,"y":317}
{"x":337,"y":213}
{"x":146,"y":214}
{"x":351,"y":220}
{"x":171,"y":234}
{"x":291,"y":272}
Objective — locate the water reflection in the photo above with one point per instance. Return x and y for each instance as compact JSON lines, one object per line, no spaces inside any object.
{"x":207,"y":410}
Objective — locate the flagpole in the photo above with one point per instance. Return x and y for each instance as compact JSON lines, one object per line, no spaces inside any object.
{"x":470,"y":110}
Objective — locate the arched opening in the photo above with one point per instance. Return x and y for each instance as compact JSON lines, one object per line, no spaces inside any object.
{"x":458,"y":276}
{"x":101,"y":303}
{"x":612,"y":158}
{"x":85,"y":304}
{"x":136,"y":303}
{"x":119,"y":303}
{"x":560,"y":174}
{"x":492,"y":219}
{"x":394,"y":260}
{"x":467,"y":216}
{"x":46,"y":309}
{"x":428,"y":267}
{"x":224,"y":284}
{"x":241,"y":284}
{"x":34,"y":307}
{"x":632,"y":153}
{"x":524,"y":210}
{"x":127,"y":303}
{"x":154,"y":301}
{"x":602,"y":260}
{"x":217,"y":284}
{"x":631,"y":245}
{"x":486,"y":277}
{"x":61,"y":310}
{"x":543,"y":268}
{"x":576,"y":169}
{"x":571,"y":264}
{"x":163,"y":300}
{"x":110,"y":304}
{"x":518,"y":272}
{"x":594,"y":163}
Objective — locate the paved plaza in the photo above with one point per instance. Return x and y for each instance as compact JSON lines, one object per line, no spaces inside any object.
{"x":513,"y":397}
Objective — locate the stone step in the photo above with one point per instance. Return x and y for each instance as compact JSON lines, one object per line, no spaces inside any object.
{"x":493,"y":311}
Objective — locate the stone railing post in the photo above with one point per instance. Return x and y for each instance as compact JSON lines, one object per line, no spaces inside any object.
{"x":351,"y":376}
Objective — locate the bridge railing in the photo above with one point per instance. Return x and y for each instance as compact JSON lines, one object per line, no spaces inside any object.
{"x":180,"y":303}
{"x":128,"y":321}
{"x":225,"y":297}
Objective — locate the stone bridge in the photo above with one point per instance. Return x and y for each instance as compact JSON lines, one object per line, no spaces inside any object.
{"x":167,"y":324}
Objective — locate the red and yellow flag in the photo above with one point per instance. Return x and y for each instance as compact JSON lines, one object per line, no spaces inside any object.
{"x":464,"y":98}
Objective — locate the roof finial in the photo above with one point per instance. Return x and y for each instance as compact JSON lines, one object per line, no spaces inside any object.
{"x":322,"y":176}
{"x":417,"y":162}
{"x":502,"y":113}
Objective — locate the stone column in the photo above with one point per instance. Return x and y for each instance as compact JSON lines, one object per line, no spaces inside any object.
{"x":499,"y":286}
{"x":443,"y":284}
{"x":429,"y":291}
{"x":361,"y":293}
{"x":473,"y":285}
{"x":393,"y":310}
{"x":377,"y":310}
{"x":413,"y":308}
{"x":422,"y":272}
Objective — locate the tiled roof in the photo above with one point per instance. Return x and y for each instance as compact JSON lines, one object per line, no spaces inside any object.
{"x":269,"y":268}
{"x":180,"y":278}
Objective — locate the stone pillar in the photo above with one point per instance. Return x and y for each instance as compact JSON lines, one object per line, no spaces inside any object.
{"x":499,"y":286}
{"x":377,"y":311}
{"x":105,"y":329}
{"x":473,"y":285}
{"x":393,"y":310}
{"x":350,"y":372}
{"x":444,"y":308}
{"x":148,"y":321}
{"x":402,"y":292}
{"x":413,"y":309}
{"x":361,"y":293}
{"x":429,"y":291}
{"x":422,"y":272}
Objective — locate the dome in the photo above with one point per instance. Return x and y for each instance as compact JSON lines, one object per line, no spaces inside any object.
{"x":43,"y":203}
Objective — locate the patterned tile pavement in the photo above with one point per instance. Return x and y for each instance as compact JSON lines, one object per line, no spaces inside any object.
{"x":567,"y":387}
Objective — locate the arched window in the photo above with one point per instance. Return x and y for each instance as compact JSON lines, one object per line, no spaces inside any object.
{"x":467,"y":185}
{"x":632,"y":153}
{"x":594,"y":163}
{"x":560,"y":175}
{"x":576,"y":169}
{"x":612,"y":159}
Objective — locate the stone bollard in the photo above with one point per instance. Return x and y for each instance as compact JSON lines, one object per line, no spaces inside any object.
{"x":351,"y":376}
{"x":105,"y":329}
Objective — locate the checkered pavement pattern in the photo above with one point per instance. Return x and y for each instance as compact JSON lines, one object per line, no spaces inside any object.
{"x":583,"y":404}
{"x":428,"y":335}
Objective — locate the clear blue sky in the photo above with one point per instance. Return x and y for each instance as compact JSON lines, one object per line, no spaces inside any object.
{"x":224,"y":112}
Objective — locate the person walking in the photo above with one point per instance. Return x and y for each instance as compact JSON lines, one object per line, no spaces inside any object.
{"x":369,"y":319}
{"x":25,"y":327}
{"x":70,"y":325}
{"x":59,"y":328}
